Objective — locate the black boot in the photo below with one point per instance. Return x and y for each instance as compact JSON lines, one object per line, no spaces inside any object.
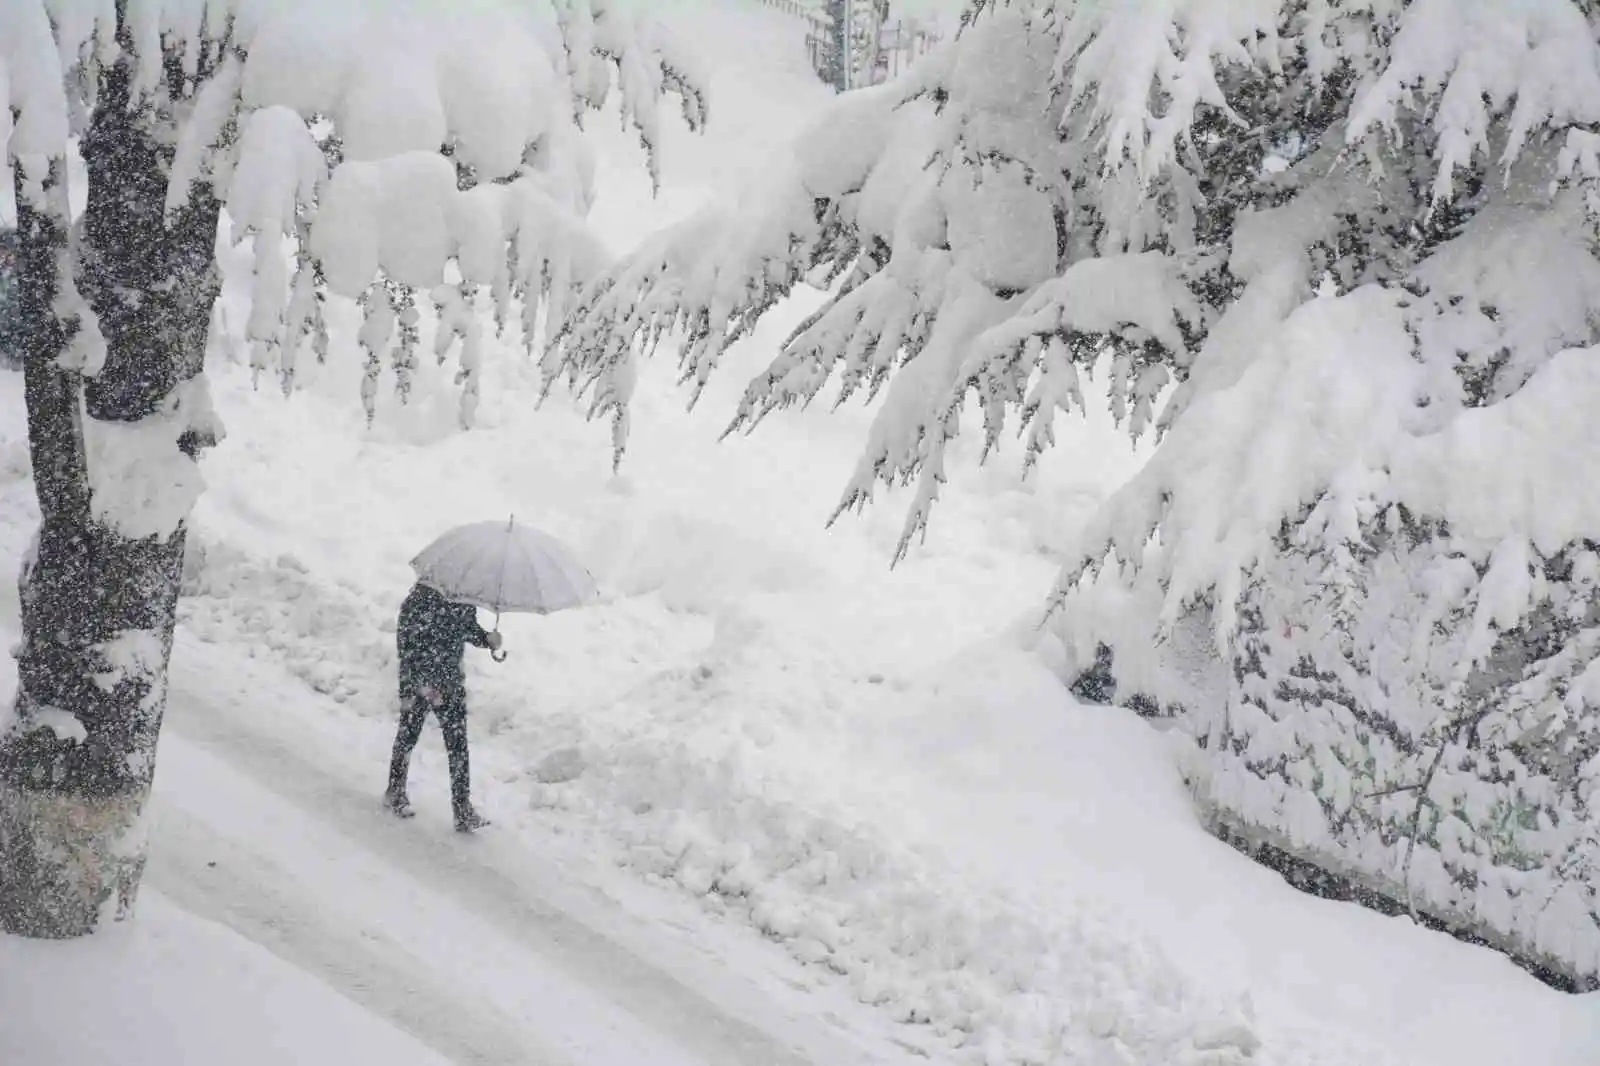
{"x":399,"y":805}
{"x":468,"y":820}
{"x":453,"y":724}
{"x":394,"y":797}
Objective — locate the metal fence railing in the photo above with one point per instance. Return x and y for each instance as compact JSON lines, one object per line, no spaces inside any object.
{"x":881,"y":49}
{"x":901,"y":43}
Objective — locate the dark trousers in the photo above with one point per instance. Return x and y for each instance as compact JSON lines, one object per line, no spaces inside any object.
{"x":452,"y":715}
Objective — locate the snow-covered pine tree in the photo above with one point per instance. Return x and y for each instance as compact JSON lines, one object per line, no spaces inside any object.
{"x":1341,"y":258}
{"x":451,"y":134}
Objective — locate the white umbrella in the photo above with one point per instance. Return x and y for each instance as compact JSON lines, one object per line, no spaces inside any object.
{"x":504,"y":567}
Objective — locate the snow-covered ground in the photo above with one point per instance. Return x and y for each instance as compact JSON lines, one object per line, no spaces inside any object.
{"x":174,"y":988}
{"x":769,"y":801}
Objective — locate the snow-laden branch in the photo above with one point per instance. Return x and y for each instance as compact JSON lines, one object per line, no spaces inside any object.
{"x":1523,"y":67}
{"x":933,"y":204}
{"x":1152,"y":180}
{"x":1137,"y":76}
{"x":713,"y":275}
{"x":359,"y":142}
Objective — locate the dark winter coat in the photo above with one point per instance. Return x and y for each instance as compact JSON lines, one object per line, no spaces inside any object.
{"x":432,"y":636}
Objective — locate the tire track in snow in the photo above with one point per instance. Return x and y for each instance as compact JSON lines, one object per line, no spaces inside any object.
{"x":210,"y":875}
{"x":225,"y":716}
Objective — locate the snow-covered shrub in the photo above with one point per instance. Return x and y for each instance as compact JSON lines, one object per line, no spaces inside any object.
{"x":1342,"y":256}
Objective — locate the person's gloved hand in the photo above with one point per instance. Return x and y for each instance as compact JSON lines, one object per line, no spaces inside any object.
{"x":495,"y":640}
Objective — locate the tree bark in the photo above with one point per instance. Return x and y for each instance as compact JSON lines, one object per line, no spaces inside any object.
{"x":98,"y":607}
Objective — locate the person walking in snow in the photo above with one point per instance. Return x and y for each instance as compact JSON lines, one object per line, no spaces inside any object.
{"x":432,"y":635}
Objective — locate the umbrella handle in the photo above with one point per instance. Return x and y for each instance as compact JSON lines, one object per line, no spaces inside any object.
{"x":499,"y":654}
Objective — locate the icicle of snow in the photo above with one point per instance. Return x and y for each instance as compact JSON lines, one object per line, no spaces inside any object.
{"x":1056,"y":390}
{"x":213,"y":106}
{"x":303,"y":317}
{"x":588,"y":76}
{"x":1480,"y":58}
{"x":86,"y":351}
{"x":403,"y":302}
{"x":901,"y":441}
{"x":142,"y":21}
{"x":279,"y":167}
{"x":377,"y":328}
{"x":278,"y":172}
{"x":1142,"y":71}
{"x":470,"y":374}
{"x":459,"y":319}
{"x":264,"y":328}
{"x":36,"y":83}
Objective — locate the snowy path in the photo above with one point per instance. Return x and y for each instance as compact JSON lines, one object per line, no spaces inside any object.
{"x":213,"y":876}
{"x":443,"y":936}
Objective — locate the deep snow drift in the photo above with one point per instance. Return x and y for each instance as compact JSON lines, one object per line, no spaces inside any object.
{"x":763,"y":732}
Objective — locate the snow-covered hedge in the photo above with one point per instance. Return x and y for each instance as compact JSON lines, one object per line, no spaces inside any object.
{"x":1467,"y":794}
{"x":1410,"y":695}
{"x":1341,"y":255}
{"x":1394,"y":551}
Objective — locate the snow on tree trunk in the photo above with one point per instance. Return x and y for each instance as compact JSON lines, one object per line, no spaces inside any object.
{"x":113,"y":459}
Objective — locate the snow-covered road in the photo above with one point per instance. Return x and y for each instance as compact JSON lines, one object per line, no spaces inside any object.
{"x":262,"y":826}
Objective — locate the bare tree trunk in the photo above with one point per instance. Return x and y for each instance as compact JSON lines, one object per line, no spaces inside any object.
{"x":98,"y":606}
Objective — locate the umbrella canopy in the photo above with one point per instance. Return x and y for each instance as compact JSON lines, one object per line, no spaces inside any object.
{"x":504,"y":567}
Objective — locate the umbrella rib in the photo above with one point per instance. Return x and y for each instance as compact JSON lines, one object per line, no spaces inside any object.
{"x":533,"y":570}
{"x":475,"y":581}
{"x":505,"y":557}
